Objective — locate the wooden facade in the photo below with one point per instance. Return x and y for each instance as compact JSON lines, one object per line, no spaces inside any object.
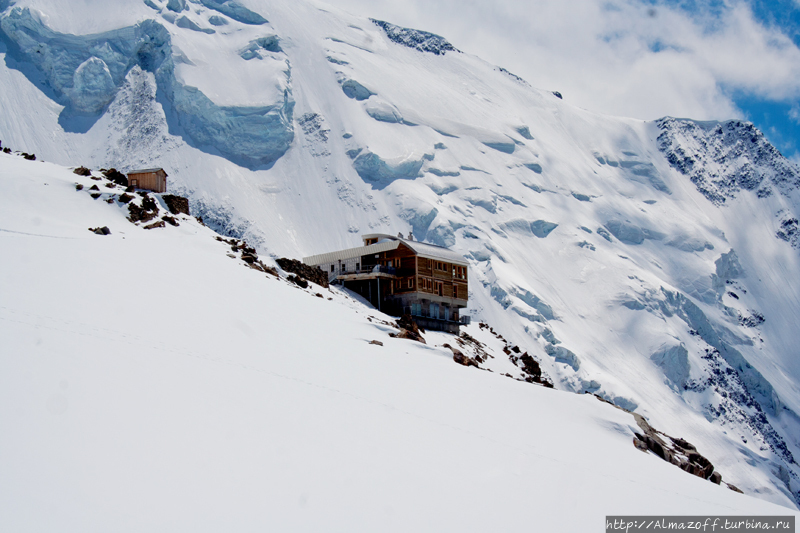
{"x":400,"y":276}
{"x":151,"y":179}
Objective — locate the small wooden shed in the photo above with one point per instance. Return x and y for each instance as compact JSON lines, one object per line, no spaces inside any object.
{"x":151,"y":179}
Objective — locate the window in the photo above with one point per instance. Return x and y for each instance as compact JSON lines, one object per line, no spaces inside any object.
{"x":410,"y":283}
{"x":358,"y":265}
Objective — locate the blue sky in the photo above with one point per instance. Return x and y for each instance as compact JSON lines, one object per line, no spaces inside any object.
{"x":702,"y":59}
{"x":779,"y":119}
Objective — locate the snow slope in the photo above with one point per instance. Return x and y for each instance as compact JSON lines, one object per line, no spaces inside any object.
{"x":151,"y":382}
{"x":654,"y":264}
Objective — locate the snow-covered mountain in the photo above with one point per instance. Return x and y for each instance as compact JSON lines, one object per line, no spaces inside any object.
{"x":151,"y":381}
{"x":654,"y":264}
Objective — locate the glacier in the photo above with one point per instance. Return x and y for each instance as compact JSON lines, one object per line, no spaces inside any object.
{"x":86,"y":72}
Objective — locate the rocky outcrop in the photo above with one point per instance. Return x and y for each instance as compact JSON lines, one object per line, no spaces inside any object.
{"x":176,"y":204}
{"x":724,"y":158}
{"x":304,"y":271}
{"x":677,"y":451}
{"x":416,"y":39}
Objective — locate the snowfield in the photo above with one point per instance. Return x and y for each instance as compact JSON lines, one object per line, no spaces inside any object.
{"x":151,"y":382}
{"x":653,"y":264}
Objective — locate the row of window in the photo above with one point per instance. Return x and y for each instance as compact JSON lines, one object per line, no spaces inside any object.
{"x":458,"y":272}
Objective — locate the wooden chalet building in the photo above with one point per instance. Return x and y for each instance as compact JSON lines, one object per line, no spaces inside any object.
{"x":403,"y":276}
{"x":151,"y":179}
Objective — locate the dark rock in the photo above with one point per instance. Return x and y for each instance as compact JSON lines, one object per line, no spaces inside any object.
{"x":300,"y":282}
{"x":29,"y":157}
{"x":558,"y":95}
{"x":125,"y":198}
{"x":130,"y":189}
{"x":6,"y":150}
{"x":170,"y":220}
{"x":407,"y":322}
{"x":94,"y":188}
{"x":734,"y":488}
{"x":313,"y":274}
{"x":406,"y":334}
{"x":101,"y":231}
{"x":110,"y":185}
{"x":377,"y":343}
{"x":110,"y":200}
{"x":78,"y":187}
{"x":176,"y":204}
{"x":138,"y":214}
{"x":148,"y":204}
{"x":96,"y":195}
{"x":639,"y":443}
{"x":249,"y":258}
{"x":82,"y":171}
{"x":159,"y":224}
{"x":116,"y":176}
{"x":684,"y":445}
{"x":462,"y":359}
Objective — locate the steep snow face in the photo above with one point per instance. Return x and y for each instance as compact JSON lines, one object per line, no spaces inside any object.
{"x":591,"y":244}
{"x":149,"y":369}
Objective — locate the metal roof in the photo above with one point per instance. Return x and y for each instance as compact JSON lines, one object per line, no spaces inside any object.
{"x":428,"y":251}
{"x":351,"y":253}
{"x":146,"y":171}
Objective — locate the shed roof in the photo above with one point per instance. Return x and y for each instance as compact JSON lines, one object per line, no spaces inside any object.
{"x":146,"y":171}
{"x":387,"y":242}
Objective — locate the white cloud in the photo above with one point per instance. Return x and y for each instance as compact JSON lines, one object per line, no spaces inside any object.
{"x":601,"y":54}
{"x":794,"y":112}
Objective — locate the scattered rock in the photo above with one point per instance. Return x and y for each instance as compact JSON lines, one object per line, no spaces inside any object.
{"x":313,"y":274}
{"x":377,"y":343}
{"x":300,"y":282}
{"x":154,"y":225}
{"x":410,"y":335}
{"x":148,"y":204}
{"x":115,"y":176}
{"x":408,"y":329}
{"x":137,"y":214}
{"x":176,"y":204}
{"x":101,"y":231}
{"x":462,"y":359}
{"x":674,"y":450}
{"x":78,"y":187}
{"x":82,"y":171}
{"x":734,"y":488}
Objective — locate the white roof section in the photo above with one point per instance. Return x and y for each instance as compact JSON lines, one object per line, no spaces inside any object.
{"x":386,"y":243}
{"x":350,"y":253}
